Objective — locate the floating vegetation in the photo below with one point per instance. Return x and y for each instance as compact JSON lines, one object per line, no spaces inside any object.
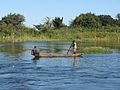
{"x":12,"y":49}
{"x":95,"y":50}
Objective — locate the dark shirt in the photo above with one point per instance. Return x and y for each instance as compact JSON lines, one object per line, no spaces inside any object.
{"x":34,"y":51}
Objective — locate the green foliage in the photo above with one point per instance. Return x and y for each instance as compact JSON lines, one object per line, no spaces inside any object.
{"x":111,"y":29}
{"x":40,"y":27}
{"x":47,"y":25}
{"x":15,"y":20}
{"x":118,"y":16}
{"x":117,"y":21}
{"x":90,"y":20}
{"x":86,"y":20}
{"x":48,"y":22}
{"x":85,"y":27}
{"x":106,"y":20}
{"x":6,"y":30}
{"x":57,"y":22}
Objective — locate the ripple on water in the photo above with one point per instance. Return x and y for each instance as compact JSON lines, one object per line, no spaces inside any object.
{"x":90,"y":72}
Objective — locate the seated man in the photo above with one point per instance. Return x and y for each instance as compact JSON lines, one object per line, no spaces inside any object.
{"x":34,"y":51}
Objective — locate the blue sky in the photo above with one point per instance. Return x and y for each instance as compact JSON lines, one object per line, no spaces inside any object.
{"x":35,"y":11}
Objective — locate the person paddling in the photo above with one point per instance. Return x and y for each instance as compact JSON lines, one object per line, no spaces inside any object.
{"x":74,"y":47}
{"x":34,"y":51}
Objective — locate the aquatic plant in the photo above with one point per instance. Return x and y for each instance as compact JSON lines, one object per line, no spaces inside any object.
{"x":95,"y":50}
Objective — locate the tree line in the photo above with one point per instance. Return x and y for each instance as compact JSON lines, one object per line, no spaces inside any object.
{"x":95,"y":21}
{"x":14,"y":22}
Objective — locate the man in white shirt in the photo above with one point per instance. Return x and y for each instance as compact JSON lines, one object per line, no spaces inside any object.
{"x":74,"y":47}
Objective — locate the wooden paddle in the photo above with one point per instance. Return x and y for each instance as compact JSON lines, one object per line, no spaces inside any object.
{"x":69,"y":48}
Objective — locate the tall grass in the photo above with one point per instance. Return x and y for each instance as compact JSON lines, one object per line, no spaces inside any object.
{"x":63,"y":34}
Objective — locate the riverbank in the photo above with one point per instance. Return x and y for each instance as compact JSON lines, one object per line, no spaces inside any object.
{"x":63,"y":34}
{"x":82,"y":36}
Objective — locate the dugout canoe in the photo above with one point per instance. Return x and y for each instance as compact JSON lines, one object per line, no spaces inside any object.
{"x":58,"y":55}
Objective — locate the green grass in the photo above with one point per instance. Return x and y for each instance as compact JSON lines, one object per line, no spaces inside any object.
{"x":63,"y":34}
{"x":95,"y":50}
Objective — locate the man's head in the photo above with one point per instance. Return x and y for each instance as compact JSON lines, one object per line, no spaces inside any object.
{"x":34,"y":46}
{"x":73,"y":40}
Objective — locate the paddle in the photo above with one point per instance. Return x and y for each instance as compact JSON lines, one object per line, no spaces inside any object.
{"x":69,"y":48}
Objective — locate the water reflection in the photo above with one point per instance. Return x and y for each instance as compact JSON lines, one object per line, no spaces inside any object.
{"x":35,"y":58}
{"x":12,"y":49}
{"x":52,"y":49}
{"x":18,"y":71}
{"x":75,"y":61}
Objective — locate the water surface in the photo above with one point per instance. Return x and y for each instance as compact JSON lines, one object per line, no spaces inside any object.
{"x":19,"y":70}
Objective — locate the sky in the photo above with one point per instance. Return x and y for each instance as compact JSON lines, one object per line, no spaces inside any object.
{"x":35,"y":11}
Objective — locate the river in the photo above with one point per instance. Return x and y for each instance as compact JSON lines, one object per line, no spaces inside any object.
{"x":19,"y":70}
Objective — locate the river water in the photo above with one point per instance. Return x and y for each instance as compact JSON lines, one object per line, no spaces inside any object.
{"x":19,"y":70}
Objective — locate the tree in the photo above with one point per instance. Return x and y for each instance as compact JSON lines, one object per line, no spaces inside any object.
{"x":14,"y":19}
{"x":118,"y":19}
{"x":40,"y":27}
{"x":48,"y":22}
{"x":58,"y":22}
{"x":47,"y":25}
{"x":6,"y":30}
{"x":118,"y":16}
{"x":86,"y":20}
{"x":106,"y":20}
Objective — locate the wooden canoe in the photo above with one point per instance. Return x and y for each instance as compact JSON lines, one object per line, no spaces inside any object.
{"x":58,"y":55}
